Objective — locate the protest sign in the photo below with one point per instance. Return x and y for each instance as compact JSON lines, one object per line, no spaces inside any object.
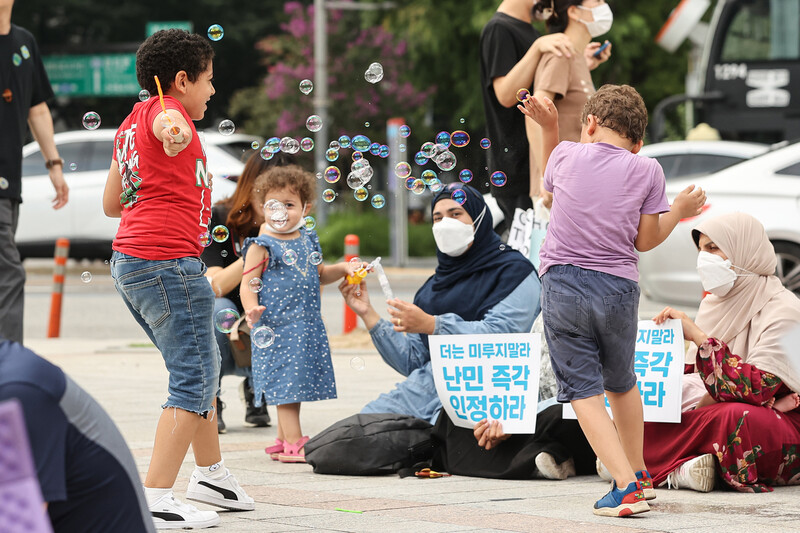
{"x":488,"y":376}
{"x":658,"y":364}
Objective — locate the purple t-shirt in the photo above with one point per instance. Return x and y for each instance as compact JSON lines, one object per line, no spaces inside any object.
{"x":599,"y":192}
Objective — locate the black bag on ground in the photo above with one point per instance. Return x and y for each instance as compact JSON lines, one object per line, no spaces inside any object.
{"x":369,"y":444}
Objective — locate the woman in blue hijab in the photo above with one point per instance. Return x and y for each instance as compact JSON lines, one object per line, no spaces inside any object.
{"x":480,"y":286}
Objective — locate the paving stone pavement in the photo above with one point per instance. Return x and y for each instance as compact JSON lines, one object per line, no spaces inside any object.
{"x":128,"y":378}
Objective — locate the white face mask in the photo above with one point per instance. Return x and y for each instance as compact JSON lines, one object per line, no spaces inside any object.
{"x":453,"y":237}
{"x":603,"y":19}
{"x":716,"y":274}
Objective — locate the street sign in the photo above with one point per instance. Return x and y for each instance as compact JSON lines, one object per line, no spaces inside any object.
{"x":92,"y":75}
{"x":153,"y":27}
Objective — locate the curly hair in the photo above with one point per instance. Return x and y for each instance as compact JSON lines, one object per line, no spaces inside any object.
{"x":619,"y":108}
{"x":241,"y":217}
{"x":167,"y":52}
{"x":289,"y":177}
{"x":558,"y":19}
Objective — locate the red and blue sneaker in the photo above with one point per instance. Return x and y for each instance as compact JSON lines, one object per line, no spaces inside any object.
{"x":646,"y":481}
{"x":625,"y":502}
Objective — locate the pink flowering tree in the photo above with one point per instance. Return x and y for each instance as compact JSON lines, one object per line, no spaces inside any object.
{"x":278,"y":108}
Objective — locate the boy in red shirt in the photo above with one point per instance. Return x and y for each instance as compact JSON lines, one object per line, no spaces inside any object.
{"x":159,"y":185}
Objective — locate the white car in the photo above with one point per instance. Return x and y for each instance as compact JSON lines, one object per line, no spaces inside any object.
{"x":767,"y":187}
{"x":87,"y":156}
{"x":696,"y":158}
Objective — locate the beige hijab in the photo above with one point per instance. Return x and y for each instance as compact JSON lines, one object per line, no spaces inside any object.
{"x":758,"y":311}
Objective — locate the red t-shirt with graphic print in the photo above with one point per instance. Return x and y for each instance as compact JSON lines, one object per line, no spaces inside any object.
{"x":166,"y":200}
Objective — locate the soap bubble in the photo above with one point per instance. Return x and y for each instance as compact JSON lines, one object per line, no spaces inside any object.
{"x":273,"y":145}
{"x":225,"y":319}
{"x":262,"y":336}
{"x":361,"y":143}
{"x":314,"y":123}
{"x":428,"y":149}
{"x":409,"y":183}
{"x":355,"y":262}
{"x":73,"y":166}
{"x":427,"y":176}
{"x":144,"y":95}
{"x":498,"y":178}
{"x":357,"y":155}
{"x":375,"y":148}
{"x":522,"y":94}
{"x":357,"y":363}
{"x":485,"y":143}
{"x":361,"y":194}
{"x":215,"y":32}
{"x":328,"y":195}
{"x":226,"y":127}
{"x":459,"y":196}
{"x":224,"y":253}
{"x":460,"y":138}
{"x":289,"y":257}
{"x":405,"y":131}
{"x":344,"y":141}
{"x":446,"y":160}
{"x":374,"y":73}
{"x":366,"y":124}
{"x":309,"y":223}
{"x":354,"y":181}
{"x":220,"y":233}
{"x":306,"y":86}
{"x":91,"y":120}
{"x":3,"y":183}
{"x":289,"y":145}
{"x":435,"y":185}
{"x":255,"y":285}
{"x":17,"y":59}
{"x":402,"y":169}
{"x":307,"y":144}
{"x":254,"y":145}
{"x":420,"y":158}
{"x":443,"y":137}
{"x":378,"y":201}
{"x":465,"y":175}
{"x":418,"y":187}
{"x":383,"y":152}
{"x":86,"y":277}
{"x":332,"y":174}
{"x":266,"y":155}
{"x":315,"y":258}
{"x":331,"y":155}
{"x":204,"y":239}
{"x":334,"y":145}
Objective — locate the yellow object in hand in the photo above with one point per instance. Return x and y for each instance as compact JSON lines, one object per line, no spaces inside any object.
{"x":358,"y":275}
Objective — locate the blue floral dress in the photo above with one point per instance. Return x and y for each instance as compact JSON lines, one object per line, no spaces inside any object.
{"x":297,"y":366}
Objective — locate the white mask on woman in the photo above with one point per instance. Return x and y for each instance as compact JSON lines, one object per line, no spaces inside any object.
{"x":453,"y":237}
{"x":716,"y":273}
{"x":603,"y":19}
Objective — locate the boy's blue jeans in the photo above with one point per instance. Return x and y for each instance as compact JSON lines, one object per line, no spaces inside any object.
{"x":174,"y":304}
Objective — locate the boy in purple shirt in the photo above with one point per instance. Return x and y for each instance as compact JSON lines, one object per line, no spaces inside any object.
{"x":607,"y":203}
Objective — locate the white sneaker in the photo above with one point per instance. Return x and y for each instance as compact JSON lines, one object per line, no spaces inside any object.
{"x":171,"y":513}
{"x":696,"y":474}
{"x":549,"y":469}
{"x":602,"y":471}
{"x":225,"y":492}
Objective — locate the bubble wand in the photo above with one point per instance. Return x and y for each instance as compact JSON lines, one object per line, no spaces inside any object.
{"x":173,"y":130}
{"x":361,"y":273}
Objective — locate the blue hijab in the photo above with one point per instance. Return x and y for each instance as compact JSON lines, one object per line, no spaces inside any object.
{"x":471,"y":284}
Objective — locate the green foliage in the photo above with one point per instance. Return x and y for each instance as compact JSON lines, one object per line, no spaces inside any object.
{"x":373,"y":231}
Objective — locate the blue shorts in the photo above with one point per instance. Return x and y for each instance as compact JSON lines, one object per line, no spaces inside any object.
{"x":590,"y":323}
{"x":173,"y":302}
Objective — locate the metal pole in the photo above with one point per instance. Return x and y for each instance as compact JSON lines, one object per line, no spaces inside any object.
{"x":398,"y":227}
{"x":320,"y":99}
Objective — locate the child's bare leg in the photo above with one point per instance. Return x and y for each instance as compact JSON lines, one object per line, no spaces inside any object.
{"x":705,"y":400}
{"x":788,"y":403}
{"x":629,"y":421}
{"x":289,"y":420}
{"x":176,"y":429}
{"x":603,"y":438}
{"x":205,"y":444}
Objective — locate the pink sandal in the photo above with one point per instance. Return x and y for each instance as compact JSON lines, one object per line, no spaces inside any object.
{"x":274,"y":450}
{"x":291,"y":452}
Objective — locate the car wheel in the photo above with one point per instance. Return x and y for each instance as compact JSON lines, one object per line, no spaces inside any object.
{"x":788,"y":270}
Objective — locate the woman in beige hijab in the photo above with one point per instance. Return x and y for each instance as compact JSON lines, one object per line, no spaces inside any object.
{"x":747,"y":420}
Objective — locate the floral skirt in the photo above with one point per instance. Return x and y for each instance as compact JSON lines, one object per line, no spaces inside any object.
{"x":755,"y":447}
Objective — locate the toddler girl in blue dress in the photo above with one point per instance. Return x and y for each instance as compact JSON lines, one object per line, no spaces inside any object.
{"x":280,"y":289}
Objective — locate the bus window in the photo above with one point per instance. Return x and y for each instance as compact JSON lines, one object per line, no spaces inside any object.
{"x":762,"y":30}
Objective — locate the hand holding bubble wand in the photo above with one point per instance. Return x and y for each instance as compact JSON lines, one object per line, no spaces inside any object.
{"x":173,"y":130}
{"x":362,"y":272}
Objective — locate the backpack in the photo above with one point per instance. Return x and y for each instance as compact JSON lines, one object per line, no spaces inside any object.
{"x":370,"y":444}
